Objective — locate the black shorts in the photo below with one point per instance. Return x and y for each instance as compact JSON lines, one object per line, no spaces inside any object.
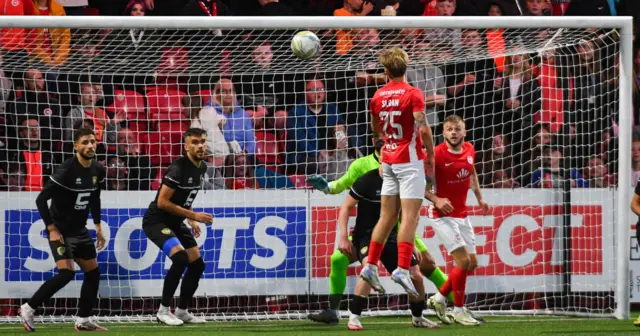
{"x":167,"y":237}
{"x":389,"y":256}
{"x":75,"y":246}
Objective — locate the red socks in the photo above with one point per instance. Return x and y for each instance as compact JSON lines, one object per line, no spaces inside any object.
{"x":405,"y":250}
{"x":457,"y":282}
{"x":375,"y":251}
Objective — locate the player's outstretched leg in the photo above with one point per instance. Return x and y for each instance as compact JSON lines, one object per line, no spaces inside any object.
{"x":337,"y":285}
{"x":189,"y":287}
{"x":390,"y":205}
{"x":88,"y":296}
{"x":45,"y":292}
{"x":172,"y":279}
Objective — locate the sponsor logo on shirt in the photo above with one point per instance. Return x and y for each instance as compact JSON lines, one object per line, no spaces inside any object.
{"x":95,"y":180}
{"x":190,"y":180}
{"x":78,"y":181}
{"x":462,"y":173}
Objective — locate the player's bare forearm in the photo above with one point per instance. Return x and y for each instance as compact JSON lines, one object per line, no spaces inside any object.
{"x":430,"y":196}
{"x":343,"y":218}
{"x":425,"y":131}
{"x":164,"y":203}
{"x":635,"y":204}
{"x":475,"y":185}
{"x":375,"y":127}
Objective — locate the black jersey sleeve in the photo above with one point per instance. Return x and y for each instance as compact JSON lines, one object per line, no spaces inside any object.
{"x":172,"y":177}
{"x":96,"y":206}
{"x":50,"y":189}
{"x":638,"y":187}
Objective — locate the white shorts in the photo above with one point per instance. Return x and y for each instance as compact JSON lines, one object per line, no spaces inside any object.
{"x":404,"y":179}
{"x":455,"y":233}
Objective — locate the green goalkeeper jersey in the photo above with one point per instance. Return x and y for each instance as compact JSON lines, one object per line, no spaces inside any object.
{"x":358,"y":168}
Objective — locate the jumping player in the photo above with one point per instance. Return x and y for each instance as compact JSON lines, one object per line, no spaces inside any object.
{"x":454,"y":175}
{"x":163,"y":223}
{"x":365,"y":193}
{"x":74,"y":191}
{"x":398,"y":115}
{"x":339,"y":261}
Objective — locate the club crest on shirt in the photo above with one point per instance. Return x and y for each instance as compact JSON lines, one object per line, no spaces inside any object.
{"x":166,"y":231}
{"x":470,"y":159}
{"x":95,"y":180}
{"x":60,"y":250}
{"x":364,"y":250}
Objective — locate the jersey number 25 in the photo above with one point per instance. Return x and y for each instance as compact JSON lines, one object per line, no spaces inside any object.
{"x":391,"y":128}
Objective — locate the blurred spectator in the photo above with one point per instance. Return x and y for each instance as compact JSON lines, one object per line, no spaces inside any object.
{"x":495,"y":38}
{"x":356,"y":85}
{"x":12,"y":178}
{"x":6,"y":87}
{"x":309,"y":126}
{"x":350,"y":8}
{"x":136,"y":8}
{"x":536,"y":8}
{"x":550,"y":174}
{"x":596,"y":173}
{"x":35,"y":162}
{"x":635,"y":161}
{"x":48,"y":46}
{"x":117,"y":174}
{"x":502,"y":180}
{"x":36,"y":101}
{"x":238,"y":173}
{"x":338,"y":156}
{"x":238,"y":129}
{"x":132,"y":167}
{"x":585,"y":7}
{"x":555,"y":93}
{"x":471,"y":85}
{"x":497,"y":157}
{"x":259,"y":84}
{"x":430,"y":8}
{"x":275,"y":8}
{"x":269,"y":179}
{"x":211,"y":121}
{"x":74,"y":7}
{"x":205,"y":8}
{"x":529,"y":159}
{"x":517,"y":101}
{"x":447,"y":37}
{"x":12,"y":39}
{"x":106,"y":129}
{"x":429,"y":79}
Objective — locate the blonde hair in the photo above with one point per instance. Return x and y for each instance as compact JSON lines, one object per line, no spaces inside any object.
{"x":525,"y":65}
{"x":395,"y":61}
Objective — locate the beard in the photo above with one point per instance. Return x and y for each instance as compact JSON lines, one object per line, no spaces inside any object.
{"x":453,"y":144}
{"x":87,"y":157}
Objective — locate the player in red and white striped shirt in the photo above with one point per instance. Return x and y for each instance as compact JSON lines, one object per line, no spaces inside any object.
{"x":398,"y":115}
{"x":454,"y":175}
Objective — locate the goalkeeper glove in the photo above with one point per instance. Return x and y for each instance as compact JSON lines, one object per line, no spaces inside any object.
{"x":320,"y":183}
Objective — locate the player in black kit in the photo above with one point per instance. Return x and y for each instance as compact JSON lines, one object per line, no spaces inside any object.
{"x":163,"y":223}
{"x":365,"y":193}
{"x":74,"y":191}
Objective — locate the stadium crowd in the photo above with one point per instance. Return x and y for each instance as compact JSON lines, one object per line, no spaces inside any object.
{"x":529,"y":116}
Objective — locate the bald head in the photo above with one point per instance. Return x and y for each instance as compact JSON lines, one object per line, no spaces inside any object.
{"x":225,"y":94}
{"x":34,"y":81}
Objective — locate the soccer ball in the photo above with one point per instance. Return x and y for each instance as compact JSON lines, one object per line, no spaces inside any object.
{"x":306,"y":45}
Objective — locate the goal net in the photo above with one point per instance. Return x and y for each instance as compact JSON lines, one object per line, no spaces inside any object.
{"x":547,"y":110}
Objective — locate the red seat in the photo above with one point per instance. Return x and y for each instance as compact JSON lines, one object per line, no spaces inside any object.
{"x":165,"y":104}
{"x":300,"y":181}
{"x":174,"y":61}
{"x":267,"y":148}
{"x":129,"y":103}
{"x":165,"y":145}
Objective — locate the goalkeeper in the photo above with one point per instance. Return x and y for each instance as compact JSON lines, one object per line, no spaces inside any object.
{"x":339,"y":261}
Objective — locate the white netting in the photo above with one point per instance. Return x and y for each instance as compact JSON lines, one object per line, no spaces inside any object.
{"x":540,"y":107}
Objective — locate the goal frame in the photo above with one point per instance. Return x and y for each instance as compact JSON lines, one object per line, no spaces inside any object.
{"x":623,"y":24}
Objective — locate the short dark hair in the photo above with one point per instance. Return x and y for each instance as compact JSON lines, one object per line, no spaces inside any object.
{"x":82,"y":131}
{"x":453,"y":119}
{"x":194,"y":131}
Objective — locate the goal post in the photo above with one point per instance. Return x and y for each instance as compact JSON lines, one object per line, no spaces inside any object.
{"x":268,"y":252}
